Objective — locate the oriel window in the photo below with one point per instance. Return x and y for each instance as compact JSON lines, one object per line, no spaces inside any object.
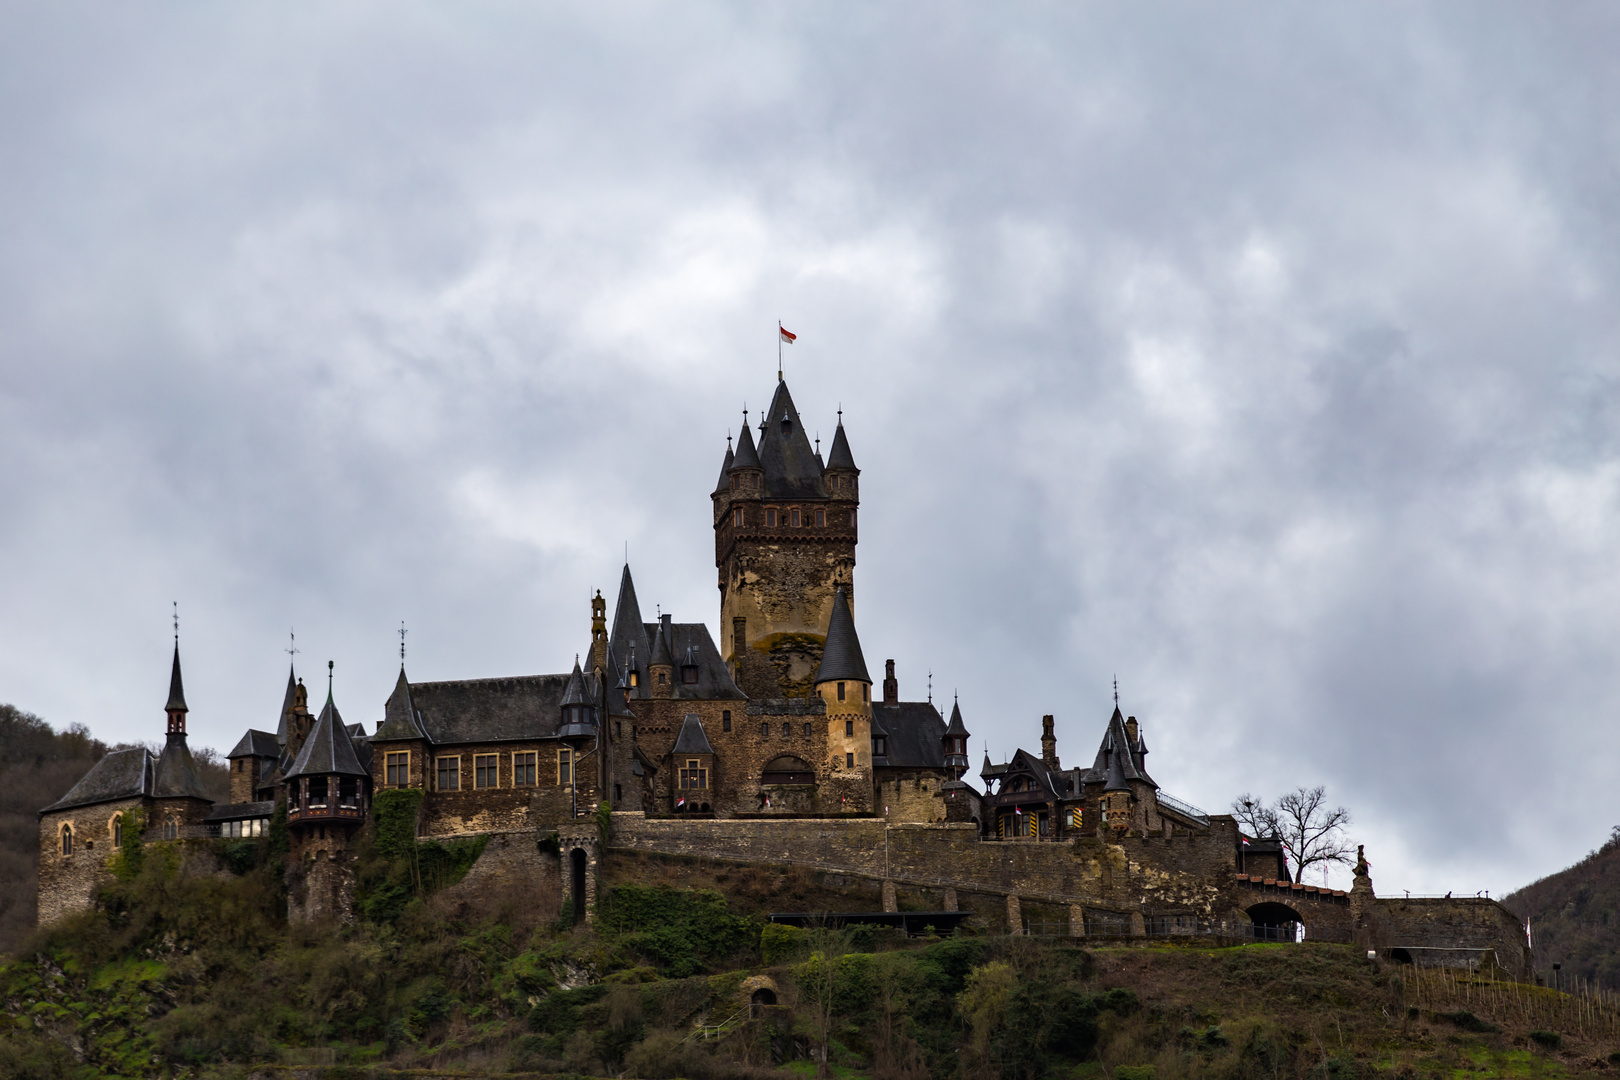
{"x":523,"y":769}
{"x":692,"y":777}
{"x":486,"y":771}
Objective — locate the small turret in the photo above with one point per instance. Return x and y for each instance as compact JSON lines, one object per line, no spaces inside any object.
{"x":176,"y":708}
{"x":956,"y":737}
{"x":578,"y":710}
{"x":599,"y":637}
{"x":1049,"y":756}
{"x":891,"y":685}
{"x":661,"y":665}
{"x":841,"y":475}
{"x":846,"y":688}
{"x":746,"y":474}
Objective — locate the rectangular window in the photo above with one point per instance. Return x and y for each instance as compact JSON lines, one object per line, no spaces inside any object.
{"x":449,"y":774}
{"x":694,"y":778}
{"x":486,"y":771}
{"x":795,"y":517}
{"x":618,"y":793}
{"x":807,"y":730}
{"x":725,"y":720}
{"x":565,"y":763}
{"x":764,"y":729}
{"x":852,"y":519}
{"x":866,"y":691}
{"x":398,"y":772}
{"x":770,"y":517}
{"x":737,"y":517}
{"x":821,"y":518}
{"x":618,"y":729}
{"x":849,"y":727}
{"x":840,"y":691}
{"x":787,"y":729}
{"x":849,"y":761}
{"x":523,"y":769}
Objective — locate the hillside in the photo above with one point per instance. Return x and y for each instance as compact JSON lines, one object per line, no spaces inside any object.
{"x":202,"y":977}
{"x":1575,"y":917}
{"x":38,"y":766}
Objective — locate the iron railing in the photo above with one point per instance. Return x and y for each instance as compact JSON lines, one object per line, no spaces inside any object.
{"x":1101,"y":925}
{"x":1186,"y":809}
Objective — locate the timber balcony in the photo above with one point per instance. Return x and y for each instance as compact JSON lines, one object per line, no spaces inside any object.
{"x":320,"y":800}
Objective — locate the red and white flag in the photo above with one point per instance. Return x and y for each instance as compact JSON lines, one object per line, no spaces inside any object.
{"x":788,"y":336}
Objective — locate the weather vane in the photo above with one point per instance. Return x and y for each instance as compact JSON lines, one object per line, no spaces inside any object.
{"x":1116,"y":691}
{"x":177,"y":622}
{"x":402,"y":633}
{"x":292,"y":644}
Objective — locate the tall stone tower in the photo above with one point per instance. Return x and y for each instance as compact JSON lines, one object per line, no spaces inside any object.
{"x":784,"y":543}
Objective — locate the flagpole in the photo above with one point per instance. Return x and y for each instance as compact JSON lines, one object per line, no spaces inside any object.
{"x":778,"y":350}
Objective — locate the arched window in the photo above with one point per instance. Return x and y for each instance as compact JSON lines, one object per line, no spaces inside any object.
{"x":117,"y":829}
{"x":67,"y":839}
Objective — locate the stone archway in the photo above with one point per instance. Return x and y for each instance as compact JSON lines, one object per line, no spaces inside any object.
{"x":1276,"y":922}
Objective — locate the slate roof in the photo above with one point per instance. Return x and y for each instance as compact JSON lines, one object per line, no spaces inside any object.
{"x":242,"y":810}
{"x":400,"y":721}
{"x":256,"y":744}
{"x":692,"y":739}
{"x":747,"y":457}
{"x":512,"y":709}
{"x":177,"y":692}
{"x":841,"y":657}
{"x":175,"y":776}
{"x":286,"y":707}
{"x":1051,"y":783}
{"x":915,"y":732}
{"x":120,"y":774}
{"x":725,"y":470}
{"x":1117,"y":752}
{"x":791,"y":469}
{"x":839,"y":456}
{"x":628,"y":642}
{"x":957,"y":729}
{"x":329,"y":750}
{"x":661,"y":650}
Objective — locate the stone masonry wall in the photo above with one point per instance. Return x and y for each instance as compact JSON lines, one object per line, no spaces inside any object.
{"x":1451,"y":931}
{"x":68,"y":882}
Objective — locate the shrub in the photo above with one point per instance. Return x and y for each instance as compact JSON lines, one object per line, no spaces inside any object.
{"x":683,"y":931}
{"x":779,"y":943}
{"x":1547,"y":1040}
{"x":1469,"y":1022}
{"x":1135,"y":1072}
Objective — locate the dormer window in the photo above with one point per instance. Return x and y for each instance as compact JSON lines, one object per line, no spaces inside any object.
{"x":787,"y":425}
{"x":689,"y":674}
{"x":635,"y":679}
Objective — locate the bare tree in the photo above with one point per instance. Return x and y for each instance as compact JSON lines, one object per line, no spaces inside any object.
{"x":1312,"y":833}
{"x":1255,"y":819}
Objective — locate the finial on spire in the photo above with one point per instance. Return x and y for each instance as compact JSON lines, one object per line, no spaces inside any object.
{"x":177,"y":622}
{"x":292,"y":643}
{"x":402,"y":633}
{"x":840,"y":413}
{"x":930,"y":686}
{"x":1116,"y":691}
{"x":329,"y":666}
{"x":818,"y":442}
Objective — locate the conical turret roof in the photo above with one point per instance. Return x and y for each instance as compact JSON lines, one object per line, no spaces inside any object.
{"x":629,"y":638}
{"x":399,"y":714}
{"x":286,"y":706}
{"x":177,"y":692}
{"x":176,"y":773}
{"x":692,"y":739}
{"x":660,"y":648}
{"x":841,"y":657}
{"x":956,"y":728}
{"x":328,"y":751}
{"x":575,"y":693}
{"x":725,"y":470}
{"x":746,"y":457}
{"x":791,"y":469}
{"x":839,"y":457}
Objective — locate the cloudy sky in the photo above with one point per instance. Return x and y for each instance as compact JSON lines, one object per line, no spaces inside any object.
{"x":1266,"y":357}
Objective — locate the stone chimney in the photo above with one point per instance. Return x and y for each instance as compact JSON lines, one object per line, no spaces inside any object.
{"x":1048,"y":743}
{"x":1131,"y":731}
{"x":891,"y":685}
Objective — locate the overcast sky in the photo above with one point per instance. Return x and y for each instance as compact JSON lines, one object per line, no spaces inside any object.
{"x":1265,"y":356}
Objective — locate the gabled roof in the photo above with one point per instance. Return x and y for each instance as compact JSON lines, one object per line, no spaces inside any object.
{"x":256,"y":744}
{"x":328,"y":751}
{"x":839,"y":456}
{"x":1023,"y":762}
{"x":176,"y":774}
{"x":692,"y":739}
{"x":399,"y":714}
{"x":1117,"y":751}
{"x":241,"y":811}
{"x":286,"y":706}
{"x":916,"y":734}
{"x":791,"y":469}
{"x":177,"y":692}
{"x":841,"y":656}
{"x":514,"y":709}
{"x":120,"y":774}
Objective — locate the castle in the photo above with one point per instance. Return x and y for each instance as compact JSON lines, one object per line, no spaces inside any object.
{"x":774,"y":745}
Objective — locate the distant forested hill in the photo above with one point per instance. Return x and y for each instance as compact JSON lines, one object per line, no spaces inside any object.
{"x":1575,"y":916}
{"x":37,"y":767}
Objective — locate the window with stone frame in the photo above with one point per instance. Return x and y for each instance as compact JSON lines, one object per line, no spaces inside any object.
{"x":67,"y":839}
{"x":849,"y":761}
{"x":821,"y":518}
{"x":725,"y":719}
{"x":737,"y":517}
{"x":397,"y":768}
{"x":765,"y":729}
{"x":565,"y":767}
{"x":807,"y":731}
{"x":849,"y":728}
{"x":770,"y":517}
{"x":694,"y":778}
{"x":795,"y":517}
{"x":486,"y":770}
{"x":525,"y":768}
{"x":840,"y":691}
{"x":118,"y":830}
{"x":449,"y":774}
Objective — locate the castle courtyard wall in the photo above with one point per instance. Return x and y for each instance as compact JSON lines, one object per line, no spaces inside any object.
{"x":68,"y":883}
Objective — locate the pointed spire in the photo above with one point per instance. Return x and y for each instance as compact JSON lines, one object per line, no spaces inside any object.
{"x":841,"y":656}
{"x":287,"y":704}
{"x":791,"y":470}
{"x":839,"y":456}
{"x":746,"y":457}
{"x":725,"y":469}
{"x":329,"y":749}
{"x":661,"y":647}
{"x":575,"y":694}
{"x":956,"y":728}
{"x":177,"y":692}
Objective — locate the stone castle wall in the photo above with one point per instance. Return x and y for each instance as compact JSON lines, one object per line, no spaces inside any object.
{"x":67,"y":883}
